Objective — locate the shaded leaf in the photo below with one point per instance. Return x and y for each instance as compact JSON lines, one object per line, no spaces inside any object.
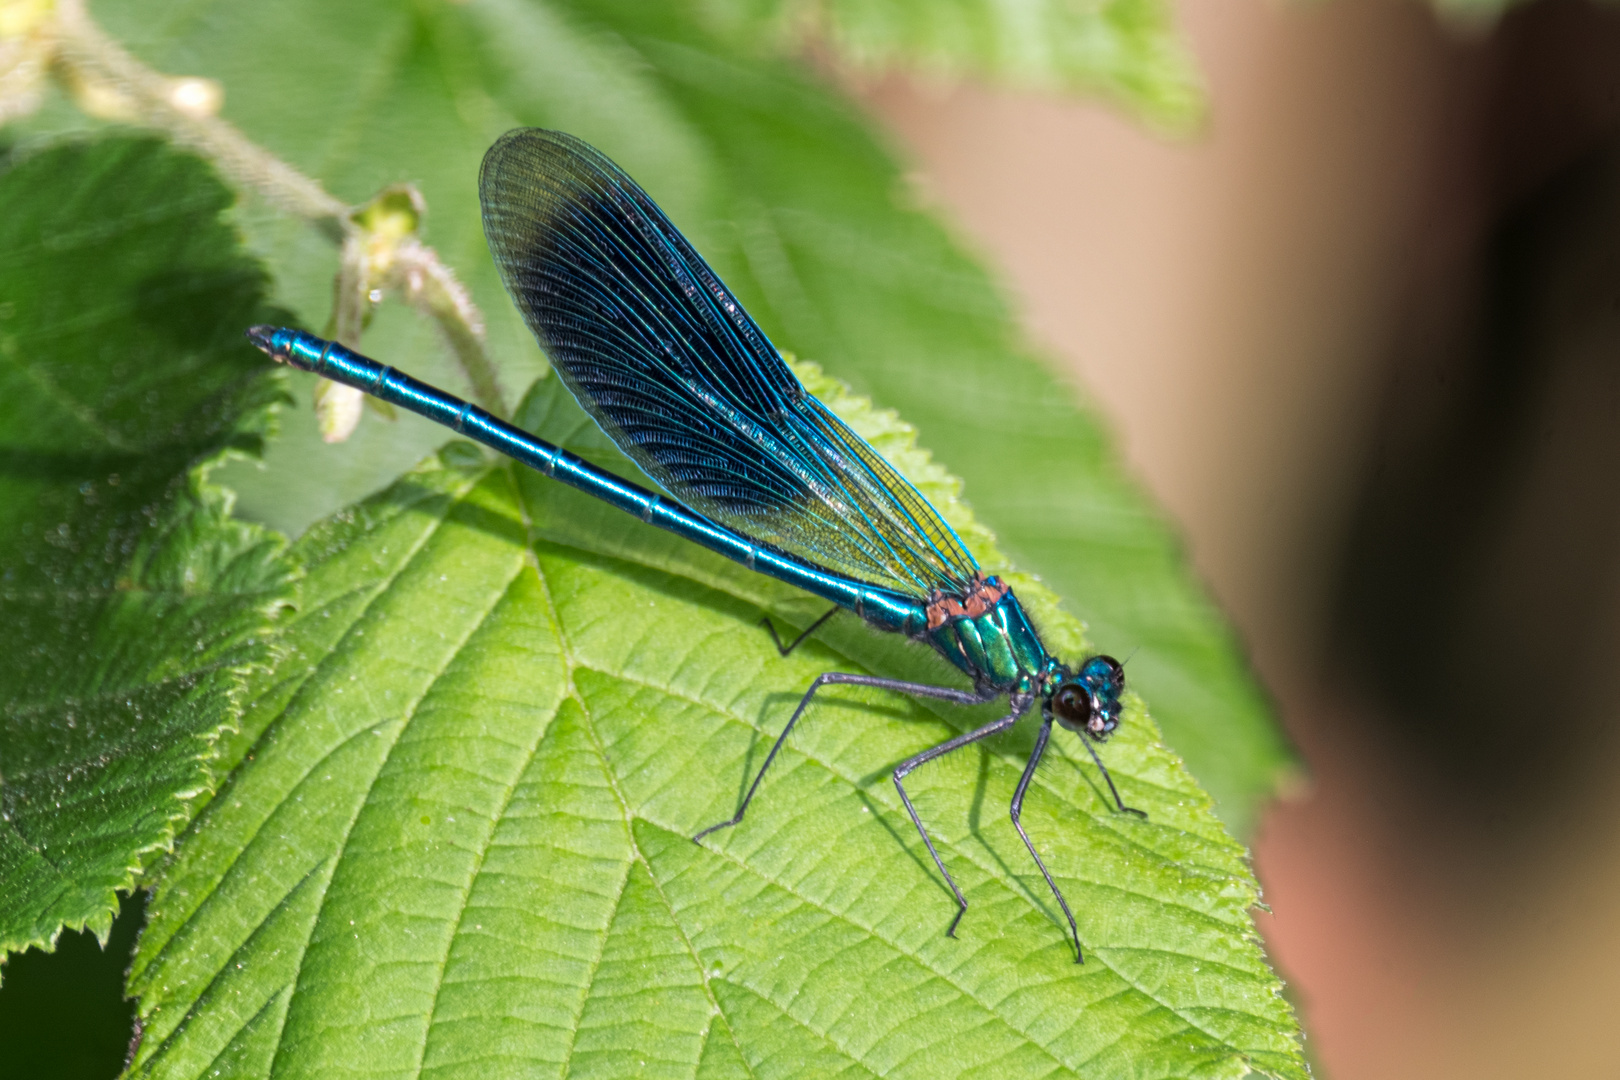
{"x":459,"y":844}
{"x":131,"y":605}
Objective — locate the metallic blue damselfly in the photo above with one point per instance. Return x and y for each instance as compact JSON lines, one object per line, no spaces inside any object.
{"x":665,"y":359}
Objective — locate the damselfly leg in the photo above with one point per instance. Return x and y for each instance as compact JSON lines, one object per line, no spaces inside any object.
{"x":1020,"y":705}
{"x":1092,"y":750}
{"x":770,"y":628}
{"x":1017,"y":812}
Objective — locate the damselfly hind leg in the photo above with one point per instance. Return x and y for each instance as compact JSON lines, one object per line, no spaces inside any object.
{"x":840,"y":678}
{"x":770,"y":628}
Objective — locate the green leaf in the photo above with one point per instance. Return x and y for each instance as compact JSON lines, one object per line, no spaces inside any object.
{"x":460,"y":843}
{"x":784,"y":188}
{"x":130,"y":604}
{"x":1126,"y":50}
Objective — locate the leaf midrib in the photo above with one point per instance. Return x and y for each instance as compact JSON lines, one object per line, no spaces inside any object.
{"x":529,"y":562}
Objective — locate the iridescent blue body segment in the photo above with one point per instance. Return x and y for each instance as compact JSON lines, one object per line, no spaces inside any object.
{"x":998,"y":648}
{"x":882,"y":608}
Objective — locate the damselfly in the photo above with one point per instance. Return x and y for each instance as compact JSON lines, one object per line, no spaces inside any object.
{"x":666,"y":360}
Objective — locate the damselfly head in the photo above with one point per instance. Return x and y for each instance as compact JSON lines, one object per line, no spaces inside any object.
{"x":1088,"y":701}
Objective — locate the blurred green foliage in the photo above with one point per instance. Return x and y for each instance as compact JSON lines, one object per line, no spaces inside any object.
{"x":1125,"y":50}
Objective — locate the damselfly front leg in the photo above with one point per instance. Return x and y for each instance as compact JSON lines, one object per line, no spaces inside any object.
{"x":840,"y":678}
{"x":1092,"y":750}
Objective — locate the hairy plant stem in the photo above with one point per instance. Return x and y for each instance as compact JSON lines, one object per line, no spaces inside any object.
{"x":379,"y":250}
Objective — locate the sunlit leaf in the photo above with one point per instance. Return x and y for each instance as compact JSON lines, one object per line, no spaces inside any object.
{"x":459,"y":845}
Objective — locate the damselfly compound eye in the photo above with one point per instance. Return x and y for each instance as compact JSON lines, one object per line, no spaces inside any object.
{"x":1072,"y":706}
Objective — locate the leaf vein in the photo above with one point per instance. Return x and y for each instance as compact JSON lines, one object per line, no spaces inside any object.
{"x":482,"y":856}
{"x":202,"y":996}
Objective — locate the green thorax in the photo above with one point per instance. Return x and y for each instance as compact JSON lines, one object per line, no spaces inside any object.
{"x":993,"y":642}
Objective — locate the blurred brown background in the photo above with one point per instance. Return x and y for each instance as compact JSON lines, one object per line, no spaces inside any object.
{"x":1361,"y":336}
